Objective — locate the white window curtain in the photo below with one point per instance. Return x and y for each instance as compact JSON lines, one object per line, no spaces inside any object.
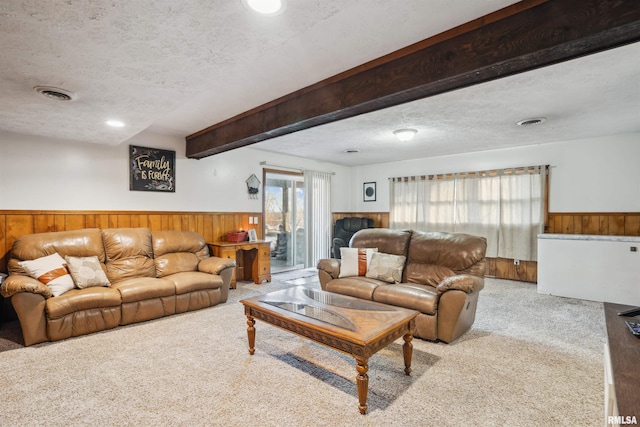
{"x":521,"y":214}
{"x":506,"y":207}
{"x":418,"y":203}
{"x":317,"y":216}
{"x":477,"y":207}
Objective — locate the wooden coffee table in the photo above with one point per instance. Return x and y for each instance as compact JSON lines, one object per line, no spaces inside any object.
{"x":351,"y":325}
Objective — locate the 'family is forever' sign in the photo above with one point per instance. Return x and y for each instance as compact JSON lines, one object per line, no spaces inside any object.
{"x":152,"y":169}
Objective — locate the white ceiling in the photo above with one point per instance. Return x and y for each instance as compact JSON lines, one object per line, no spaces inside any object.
{"x":178,"y":67}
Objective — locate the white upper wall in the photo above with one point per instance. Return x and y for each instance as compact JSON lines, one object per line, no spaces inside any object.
{"x":36,"y":173}
{"x":587,"y":175}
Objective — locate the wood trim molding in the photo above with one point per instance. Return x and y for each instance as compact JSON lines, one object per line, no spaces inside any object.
{"x":521,"y":37}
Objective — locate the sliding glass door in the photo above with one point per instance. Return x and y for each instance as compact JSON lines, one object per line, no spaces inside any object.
{"x":284,"y":219}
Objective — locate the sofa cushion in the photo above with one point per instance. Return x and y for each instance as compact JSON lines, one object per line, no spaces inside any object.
{"x":434,"y":256}
{"x":386,"y":267}
{"x":175,"y":263}
{"x":389,"y":241}
{"x":423,"y":298}
{"x":84,"y":242}
{"x":128,"y":253}
{"x":355,"y":261}
{"x":82,"y":299}
{"x":177,"y":251}
{"x":86,"y":271}
{"x":359,"y":287}
{"x":191,"y":281}
{"x":52,"y":271}
{"x":144,"y":288}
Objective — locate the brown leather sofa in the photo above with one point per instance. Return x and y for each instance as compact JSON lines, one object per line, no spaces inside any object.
{"x":442,"y":277}
{"x":151,"y":275}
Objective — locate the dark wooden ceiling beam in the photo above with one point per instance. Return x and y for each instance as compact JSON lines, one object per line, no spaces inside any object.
{"x":528,"y":35}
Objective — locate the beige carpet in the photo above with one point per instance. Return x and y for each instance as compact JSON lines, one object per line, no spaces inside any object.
{"x":530,"y":360}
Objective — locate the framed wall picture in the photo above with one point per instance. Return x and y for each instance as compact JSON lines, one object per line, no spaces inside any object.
{"x":369,"y":192}
{"x":253,"y":236}
{"x":152,"y":169}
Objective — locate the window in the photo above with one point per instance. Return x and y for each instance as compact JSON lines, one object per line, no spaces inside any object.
{"x":508,"y":207}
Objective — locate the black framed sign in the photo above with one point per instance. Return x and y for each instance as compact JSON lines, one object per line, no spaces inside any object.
{"x":369,"y":192}
{"x":152,"y":169}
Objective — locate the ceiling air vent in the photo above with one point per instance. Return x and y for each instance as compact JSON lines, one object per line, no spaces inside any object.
{"x":55,"y":93}
{"x":529,"y":122}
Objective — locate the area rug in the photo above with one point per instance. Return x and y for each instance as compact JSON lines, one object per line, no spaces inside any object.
{"x":529,"y":360}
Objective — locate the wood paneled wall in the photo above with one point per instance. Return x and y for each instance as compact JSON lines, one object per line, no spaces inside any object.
{"x":215,"y":225}
{"x":504,"y":268}
{"x":212,"y":225}
{"x":607,"y":223}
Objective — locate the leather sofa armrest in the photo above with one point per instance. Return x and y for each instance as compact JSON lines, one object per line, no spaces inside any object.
{"x":462,"y":282}
{"x":331,"y":266}
{"x":215,"y":265}
{"x":17,"y":283}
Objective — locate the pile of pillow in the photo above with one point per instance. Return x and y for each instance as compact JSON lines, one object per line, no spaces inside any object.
{"x":371,"y":263}
{"x":63,"y":274}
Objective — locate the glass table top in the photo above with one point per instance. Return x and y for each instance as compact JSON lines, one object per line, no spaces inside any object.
{"x":324,"y":306}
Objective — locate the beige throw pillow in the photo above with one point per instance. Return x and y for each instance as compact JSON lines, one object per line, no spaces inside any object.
{"x":52,"y":271}
{"x":355,"y":261}
{"x":386,"y":267}
{"x":87,"y":271}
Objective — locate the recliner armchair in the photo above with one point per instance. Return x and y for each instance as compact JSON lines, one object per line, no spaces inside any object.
{"x":344,"y":229}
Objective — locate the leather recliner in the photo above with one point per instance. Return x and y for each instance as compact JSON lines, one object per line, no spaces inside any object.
{"x":441,"y":278}
{"x":344,"y":229}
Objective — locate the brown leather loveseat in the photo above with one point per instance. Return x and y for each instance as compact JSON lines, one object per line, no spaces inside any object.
{"x":147,"y":276}
{"x":441,"y":277}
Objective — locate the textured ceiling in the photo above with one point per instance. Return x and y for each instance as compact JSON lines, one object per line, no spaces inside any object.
{"x":593,"y":96}
{"x":178,"y":67}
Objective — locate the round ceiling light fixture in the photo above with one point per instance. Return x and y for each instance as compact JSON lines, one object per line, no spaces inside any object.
{"x":529,"y":122}
{"x":405,"y":134}
{"x":266,"y":7}
{"x":55,"y":93}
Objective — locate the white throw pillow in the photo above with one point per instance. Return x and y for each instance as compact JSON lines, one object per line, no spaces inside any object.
{"x":52,"y":271}
{"x":86,"y":271}
{"x":386,"y":267}
{"x":355,"y":261}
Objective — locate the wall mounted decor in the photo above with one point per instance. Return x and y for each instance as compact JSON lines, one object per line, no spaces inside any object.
{"x":152,"y":169}
{"x":253,"y":186}
{"x":369,"y":192}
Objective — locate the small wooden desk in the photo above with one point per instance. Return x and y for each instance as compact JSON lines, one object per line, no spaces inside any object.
{"x":253,"y":259}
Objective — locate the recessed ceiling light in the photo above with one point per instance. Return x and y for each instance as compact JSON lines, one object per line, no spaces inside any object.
{"x":266,"y":7}
{"x":351,"y":150}
{"x":55,"y":93}
{"x":115,"y":123}
{"x":405,"y":134}
{"x":528,"y":122}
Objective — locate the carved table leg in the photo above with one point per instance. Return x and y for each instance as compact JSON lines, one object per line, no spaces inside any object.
{"x":362,"y":380}
{"x":407,"y":350}
{"x":251,"y":334}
